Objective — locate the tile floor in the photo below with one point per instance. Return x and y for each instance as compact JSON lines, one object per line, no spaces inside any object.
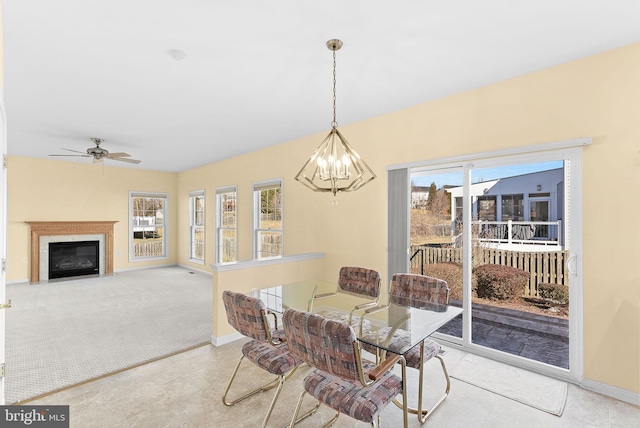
{"x":185,"y":390}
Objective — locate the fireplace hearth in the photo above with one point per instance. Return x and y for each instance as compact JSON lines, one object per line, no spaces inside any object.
{"x":75,"y":258}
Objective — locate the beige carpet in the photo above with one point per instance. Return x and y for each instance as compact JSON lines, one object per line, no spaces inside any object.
{"x":532,"y":389}
{"x":63,"y":333}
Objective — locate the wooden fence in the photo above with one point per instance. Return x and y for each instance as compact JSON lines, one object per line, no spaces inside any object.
{"x":148,"y":248}
{"x":228,"y":250}
{"x":544,"y":267}
{"x":270,"y":244}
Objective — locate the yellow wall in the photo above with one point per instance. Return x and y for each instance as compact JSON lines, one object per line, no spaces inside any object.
{"x":52,"y":190}
{"x":597,"y":97}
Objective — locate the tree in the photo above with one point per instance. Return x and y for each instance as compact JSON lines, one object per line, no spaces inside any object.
{"x":432,"y":197}
{"x":439,"y":201}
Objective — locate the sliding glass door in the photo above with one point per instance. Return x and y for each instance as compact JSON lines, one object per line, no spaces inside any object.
{"x":520,"y":284}
{"x":504,"y":232}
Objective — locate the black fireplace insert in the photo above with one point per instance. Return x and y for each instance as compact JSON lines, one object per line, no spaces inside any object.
{"x":75,"y":258}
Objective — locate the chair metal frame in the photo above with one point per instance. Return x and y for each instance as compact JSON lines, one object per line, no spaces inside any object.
{"x":277,"y":382}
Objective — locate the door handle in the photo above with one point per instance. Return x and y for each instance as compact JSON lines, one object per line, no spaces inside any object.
{"x":5,"y":305}
{"x":572,"y":265}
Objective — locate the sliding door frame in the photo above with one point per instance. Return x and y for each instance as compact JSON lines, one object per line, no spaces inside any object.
{"x":399,"y":185}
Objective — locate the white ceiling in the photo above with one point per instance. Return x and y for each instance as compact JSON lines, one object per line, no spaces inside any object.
{"x":258,"y":73}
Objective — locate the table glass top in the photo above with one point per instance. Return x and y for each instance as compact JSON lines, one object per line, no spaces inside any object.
{"x":410,"y":320}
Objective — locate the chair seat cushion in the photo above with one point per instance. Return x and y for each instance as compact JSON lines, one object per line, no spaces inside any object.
{"x":399,"y":340}
{"x":275,"y":359}
{"x":350,"y":397}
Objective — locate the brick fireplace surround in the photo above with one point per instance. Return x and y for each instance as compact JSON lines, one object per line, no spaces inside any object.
{"x":50,"y":228}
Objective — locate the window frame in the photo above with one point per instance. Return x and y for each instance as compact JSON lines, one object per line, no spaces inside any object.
{"x":508,"y":201}
{"x":220,"y":227}
{"x":194,"y":227}
{"x":487,"y":208}
{"x":165,"y":225}
{"x":257,"y":230}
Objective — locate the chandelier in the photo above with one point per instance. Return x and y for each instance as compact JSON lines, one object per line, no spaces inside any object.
{"x":334,"y":166}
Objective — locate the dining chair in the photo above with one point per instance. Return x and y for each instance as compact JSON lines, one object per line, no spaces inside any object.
{"x":411,"y":290}
{"x":341,"y":379}
{"x":358,"y":281}
{"x":267,"y":348}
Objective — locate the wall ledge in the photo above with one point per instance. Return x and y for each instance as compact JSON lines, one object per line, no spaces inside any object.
{"x":224,"y":267}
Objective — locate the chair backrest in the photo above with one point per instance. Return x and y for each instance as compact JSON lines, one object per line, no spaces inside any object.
{"x":322,"y":343}
{"x":416,"y":290}
{"x":246,"y":314}
{"x":360,"y":280}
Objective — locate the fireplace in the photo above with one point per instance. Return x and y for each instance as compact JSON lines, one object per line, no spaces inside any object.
{"x":75,"y":258}
{"x":44,"y":233}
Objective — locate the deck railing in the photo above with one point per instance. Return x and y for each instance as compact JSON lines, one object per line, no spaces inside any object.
{"x":518,"y":232}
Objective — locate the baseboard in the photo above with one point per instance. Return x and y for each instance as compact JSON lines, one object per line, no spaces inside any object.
{"x":611,"y":391}
{"x":17,"y":281}
{"x":219,"y":341}
{"x":145,"y":268}
{"x":196,"y":269}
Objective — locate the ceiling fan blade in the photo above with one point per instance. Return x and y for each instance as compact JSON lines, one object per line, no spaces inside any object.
{"x":75,"y":151}
{"x":124,"y":160}
{"x":80,"y":156}
{"x":118,"y":155}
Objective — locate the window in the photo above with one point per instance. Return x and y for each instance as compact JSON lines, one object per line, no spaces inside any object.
{"x":148,"y":216}
{"x":272,"y":298}
{"x":267,"y":219}
{"x":226,"y":225}
{"x":512,"y":207}
{"x":487,"y":208}
{"x":196,"y":226}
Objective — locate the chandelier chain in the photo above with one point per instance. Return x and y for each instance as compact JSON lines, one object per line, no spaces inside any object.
{"x":334,"y":124}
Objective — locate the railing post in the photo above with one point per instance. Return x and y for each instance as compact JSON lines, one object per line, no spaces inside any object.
{"x":509,"y":234}
{"x":560,"y":237}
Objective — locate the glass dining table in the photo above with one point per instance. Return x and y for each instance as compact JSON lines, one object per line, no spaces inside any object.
{"x":414,"y":319}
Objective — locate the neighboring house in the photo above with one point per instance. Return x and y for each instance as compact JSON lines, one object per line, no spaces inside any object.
{"x":419,"y":196}
{"x":522,"y":212}
{"x":145,"y":227}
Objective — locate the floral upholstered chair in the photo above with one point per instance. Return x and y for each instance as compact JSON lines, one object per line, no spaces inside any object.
{"x":267,"y":349}
{"x":409,"y":290}
{"x":341,"y":379}
{"x":359,"y":281}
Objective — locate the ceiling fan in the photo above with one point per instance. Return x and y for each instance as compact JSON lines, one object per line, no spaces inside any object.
{"x":98,"y":153}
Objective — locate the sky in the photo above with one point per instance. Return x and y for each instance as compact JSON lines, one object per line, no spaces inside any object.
{"x":483,"y":174}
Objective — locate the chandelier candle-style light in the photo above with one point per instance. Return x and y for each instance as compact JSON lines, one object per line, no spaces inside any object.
{"x":334,"y":166}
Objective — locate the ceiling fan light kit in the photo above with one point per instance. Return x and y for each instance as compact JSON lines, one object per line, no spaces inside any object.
{"x":99,"y":154}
